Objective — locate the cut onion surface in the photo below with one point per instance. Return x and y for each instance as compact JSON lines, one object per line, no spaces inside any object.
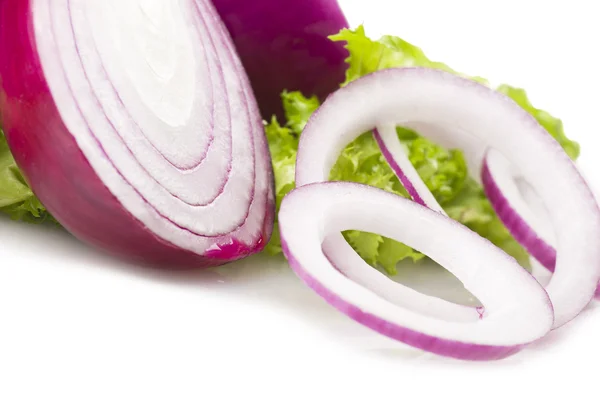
{"x":135,"y":125}
{"x":451,"y":105}
{"x":517,"y":309}
{"x":283,"y":45}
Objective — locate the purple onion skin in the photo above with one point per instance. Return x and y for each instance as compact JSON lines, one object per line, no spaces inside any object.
{"x":283,"y":45}
{"x":59,"y":173}
{"x":519,"y":229}
{"x":444,"y":347}
{"x":406,"y":183}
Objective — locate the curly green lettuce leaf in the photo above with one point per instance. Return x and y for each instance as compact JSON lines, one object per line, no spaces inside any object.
{"x":283,"y":145}
{"x":443,"y":171}
{"x":16,"y":198}
{"x":368,"y":56}
{"x":298,"y":109}
{"x":553,"y":125}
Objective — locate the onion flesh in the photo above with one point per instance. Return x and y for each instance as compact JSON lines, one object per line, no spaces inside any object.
{"x":152,"y":157}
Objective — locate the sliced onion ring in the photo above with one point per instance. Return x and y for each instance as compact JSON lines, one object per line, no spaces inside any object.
{"x":450,"y":103}
{"x":518,"y":310}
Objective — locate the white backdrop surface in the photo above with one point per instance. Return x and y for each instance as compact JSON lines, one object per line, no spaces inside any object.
{"x":75,"y":323}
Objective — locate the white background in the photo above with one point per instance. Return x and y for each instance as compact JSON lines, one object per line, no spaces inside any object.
{"x":74,"y":323}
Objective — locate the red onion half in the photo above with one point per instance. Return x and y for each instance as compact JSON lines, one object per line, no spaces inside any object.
{"x":453,"y":106}
{"x":135,"y":125}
